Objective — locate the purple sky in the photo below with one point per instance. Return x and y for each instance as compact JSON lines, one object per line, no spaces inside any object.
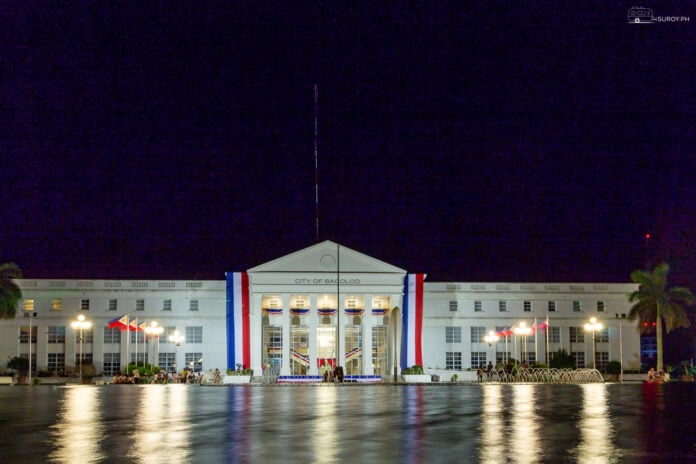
{"x":470,"y":141}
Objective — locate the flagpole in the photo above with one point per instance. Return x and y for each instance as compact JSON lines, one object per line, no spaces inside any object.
{"x":548,"y":358}
{"x":536,"y":341}
{"x":136,"y":340}
{"x":127,"y":341}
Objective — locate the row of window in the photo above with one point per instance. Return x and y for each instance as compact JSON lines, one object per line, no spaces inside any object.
{"x":453,"y":359}
{"x":527,"y":305}
{"x":112,"y":305}
{"x":478,"y":334}
{"x":56,"y":334}
{"x":111,"y":364}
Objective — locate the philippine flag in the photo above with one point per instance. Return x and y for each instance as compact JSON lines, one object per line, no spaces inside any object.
{"x":119,"y":322}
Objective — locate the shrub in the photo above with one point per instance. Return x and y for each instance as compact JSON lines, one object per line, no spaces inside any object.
{"x":614,"y":367}
{"x":413,"y":370}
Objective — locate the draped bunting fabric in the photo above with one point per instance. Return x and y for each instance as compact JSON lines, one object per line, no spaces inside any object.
{"x":354,"y":311}
{"x":300,"y":358}
{"x":272,"y":311}
{"x":238,"y":331}
{"x":412,"y":335}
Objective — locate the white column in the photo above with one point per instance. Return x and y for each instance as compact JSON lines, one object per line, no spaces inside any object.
{"x":255,"y":333}
{"x":311,"y":320}
{"x":341,"y":328}
{"x":285,"y":368}
{"x":367,"y":322}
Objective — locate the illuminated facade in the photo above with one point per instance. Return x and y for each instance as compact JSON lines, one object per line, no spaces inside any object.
{"x":303,"y":311}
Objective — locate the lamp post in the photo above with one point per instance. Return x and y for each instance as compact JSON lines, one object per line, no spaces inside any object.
{"x":177,"y":338}
{"x":82,"y":325}
{"x":491,"y":338}
{"x":523,"y":331}
{"x":593,"y":326}
{"x":154,"y":331}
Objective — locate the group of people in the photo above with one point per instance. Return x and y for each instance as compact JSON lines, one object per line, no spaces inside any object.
{"x":329,"y":374}
{"x":656,"y":376}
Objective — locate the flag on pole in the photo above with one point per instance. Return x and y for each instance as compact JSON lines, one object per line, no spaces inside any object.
{"x":133,"y":326}
{"x":142,"y":326}
{"x":119,"y":322}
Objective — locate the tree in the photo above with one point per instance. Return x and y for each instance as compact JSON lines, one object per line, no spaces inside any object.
{"x":656,"y":302}
{"x":10,"y":294}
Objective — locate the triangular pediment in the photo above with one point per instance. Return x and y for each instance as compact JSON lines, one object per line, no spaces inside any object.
{"x":327,"y":256}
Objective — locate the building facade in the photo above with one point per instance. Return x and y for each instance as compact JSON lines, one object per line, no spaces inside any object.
{"x":308,"y":309}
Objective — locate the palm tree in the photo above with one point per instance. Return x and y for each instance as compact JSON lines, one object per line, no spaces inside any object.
{"x":10,"y":294}
{"x":655,"y":302}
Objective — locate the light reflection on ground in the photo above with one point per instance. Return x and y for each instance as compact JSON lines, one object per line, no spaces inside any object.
{"x":329,"y":424}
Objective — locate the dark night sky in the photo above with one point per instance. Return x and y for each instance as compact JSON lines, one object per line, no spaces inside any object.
{"x":473,"y":141}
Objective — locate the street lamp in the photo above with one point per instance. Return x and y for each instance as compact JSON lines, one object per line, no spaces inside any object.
{"x":154,"y":331}
{"x":523,"y":331}
{"x":177,"y":338}
{"x":593,"y":326}
{"x":491,"y":338}
{"x":83,"y":325}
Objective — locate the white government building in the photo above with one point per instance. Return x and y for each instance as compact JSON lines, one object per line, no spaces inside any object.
{"x":319,"y":304}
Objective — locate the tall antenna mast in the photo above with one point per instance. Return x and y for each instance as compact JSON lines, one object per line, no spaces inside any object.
{"x":316,"y":158}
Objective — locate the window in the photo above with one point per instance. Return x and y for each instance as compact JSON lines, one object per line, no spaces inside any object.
{"x":453,"y":306}
{"x":577,"y":335}
{"x":453,"y":360}
{"x":601,"y":360}
{"x":527,"y":306}
{"x":57,"y":304}
{"x":113,"y":305}
{"x":579,"y":358}
{"x":167,"y":361}
{"x":531,"y":357}
{"x":137,"y":337}
{"x":140,"y":305}
{"x":194,"y":361}
{"x":602,"y":336}
{"x":56,"y":334}
{"x":478,"y":359}
{"x":478,"y":306}
{"x":87,"y":335}
{"x":167,"y":305}
{"x":112,"y":363}
{"x":194,"y":334}
{"x":478,"y":334}
{"x":502,"y":306}
{"x":600,"y":306}
{"x":164,"y":338}
{"x":501,"y":357}
{"x":554,"y":334}
{"x":453,"y":334}
{"x":112,"y":335}
{"x":193,"y":305}
{"x":84,"y":305}
{"x":24,"y":334}
{"x":56,"y":362}
{"x":552,"y":306}
{"x":577,"y":306}
{"x":28,"y":305}
{"x":139,"y":355}
{"x":86,"y":358}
